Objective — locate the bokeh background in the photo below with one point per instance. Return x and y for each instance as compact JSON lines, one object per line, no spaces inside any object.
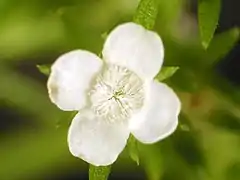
{"x":206,"y":145}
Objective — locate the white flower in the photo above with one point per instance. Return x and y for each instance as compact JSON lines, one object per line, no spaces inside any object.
{"x":116,"y":96}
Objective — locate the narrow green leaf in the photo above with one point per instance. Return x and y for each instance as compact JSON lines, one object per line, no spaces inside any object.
{"x":45,"y":69}
{"x":166,"y":72}
{"x":208,"y":15}
{"x":133,"y":149}
{"x":99,"y":173}
{"x":146,"y":13}
{"x":222,"y":44}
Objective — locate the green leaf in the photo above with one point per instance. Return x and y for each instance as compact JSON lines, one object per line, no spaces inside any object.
{"x":132,"y":147}
{"x":45,"y":69}
{"x":208,"y":15}
{"x":146,"y":13}
{"x":166,"y":72}
{"x":222,"y":44}
{"x":99,"y":173}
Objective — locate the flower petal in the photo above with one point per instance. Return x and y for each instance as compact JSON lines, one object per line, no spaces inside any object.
{"x":70,"y":78}
{"x":136,"y":48}
{"x":95,"y":140}
{"x":159,"y":115}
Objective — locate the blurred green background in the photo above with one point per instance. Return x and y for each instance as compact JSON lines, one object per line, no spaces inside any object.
{"x":33,"y":131}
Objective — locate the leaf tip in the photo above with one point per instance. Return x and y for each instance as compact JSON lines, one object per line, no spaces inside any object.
{"x":205,"y":44}
{"x":104,"y":35}
{"x":44,"y":69}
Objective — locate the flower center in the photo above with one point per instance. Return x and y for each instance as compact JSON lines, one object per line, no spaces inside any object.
{"x":116,"y":94}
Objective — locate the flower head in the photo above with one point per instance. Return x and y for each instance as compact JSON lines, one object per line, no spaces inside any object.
{"x":115,"y":96}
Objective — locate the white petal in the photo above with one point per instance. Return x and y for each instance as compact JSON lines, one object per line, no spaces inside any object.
{"x":159,"y":115}
{"x":70,"y":78}
{"x":136,"y":48}
{"x":96,"y":140}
